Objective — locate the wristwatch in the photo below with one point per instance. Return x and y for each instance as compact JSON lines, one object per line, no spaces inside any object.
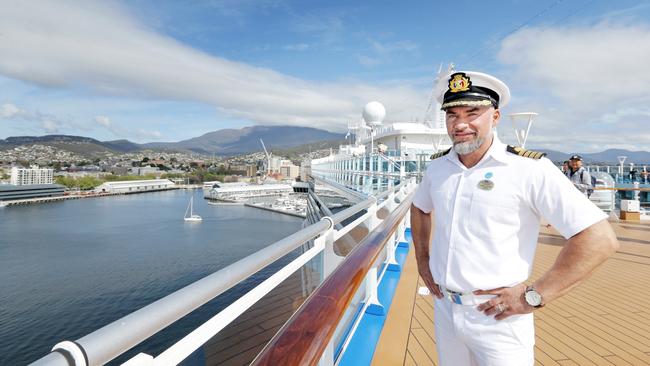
{"x":532,"y":297}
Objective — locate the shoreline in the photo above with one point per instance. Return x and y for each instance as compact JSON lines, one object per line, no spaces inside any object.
{"x":295,"y":214}
{"x":65,"y":197}
{"x":227,"y":202}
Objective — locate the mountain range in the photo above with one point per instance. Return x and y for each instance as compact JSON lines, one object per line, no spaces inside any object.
{"x":222,"y":142}
{"x":609,"y":156}
{"x":228,"y":142}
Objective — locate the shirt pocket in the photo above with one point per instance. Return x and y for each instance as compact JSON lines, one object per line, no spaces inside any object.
{"x":494,"y":215}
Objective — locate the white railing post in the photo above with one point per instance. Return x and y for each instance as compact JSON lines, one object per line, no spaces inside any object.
{"x":401,"y":236}
{"x":391,"y":261}
{"x":391,"y":200}
{"x":330,"y":259}
{"x":373,"y":221}
{"x":373,"y":306}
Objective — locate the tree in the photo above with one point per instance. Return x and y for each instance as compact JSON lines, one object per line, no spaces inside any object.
{"x":163,"y":167}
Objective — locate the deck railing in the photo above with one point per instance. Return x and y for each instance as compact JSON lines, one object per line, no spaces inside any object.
{"x":305,"y":339}
{"x":107,"y":343}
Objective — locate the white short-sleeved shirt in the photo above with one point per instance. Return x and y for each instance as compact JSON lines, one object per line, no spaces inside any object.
{"x":484,"y":239}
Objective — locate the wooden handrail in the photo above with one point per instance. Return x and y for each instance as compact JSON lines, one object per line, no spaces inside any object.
{"x":302,"y":340}
{"x":621,"y":189}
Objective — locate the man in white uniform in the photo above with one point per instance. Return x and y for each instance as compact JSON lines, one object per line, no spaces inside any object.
{"x":485,"y":200}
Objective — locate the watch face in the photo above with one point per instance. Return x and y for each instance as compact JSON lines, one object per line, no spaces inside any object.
{"x":533,"y":298}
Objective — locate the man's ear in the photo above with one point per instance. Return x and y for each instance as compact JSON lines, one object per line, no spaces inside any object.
{"x":496,"y":117}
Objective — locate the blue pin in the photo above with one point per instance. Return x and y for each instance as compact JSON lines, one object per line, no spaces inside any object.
{"x":488,"y":175}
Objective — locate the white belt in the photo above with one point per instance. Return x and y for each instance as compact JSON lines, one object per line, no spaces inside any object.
{"x":464,"y":298}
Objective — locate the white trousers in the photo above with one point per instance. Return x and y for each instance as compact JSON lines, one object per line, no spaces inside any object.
{"x":466,"y":336}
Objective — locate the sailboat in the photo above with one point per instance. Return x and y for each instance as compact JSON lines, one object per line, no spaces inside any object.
{"x":191,"y":216}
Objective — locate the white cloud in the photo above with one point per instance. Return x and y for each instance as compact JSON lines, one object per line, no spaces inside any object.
{"x":605,"y":63}
{"x":99,"y":46}
{"x":45,"y":122}
{"x":121,"y":132}
{"x":103,"y":121}
{"x":589,"y":84}
{"x":9,"y":110}
{"x":383,"y":52}
{"x":50,"y":126}
{"x":387,"y":48}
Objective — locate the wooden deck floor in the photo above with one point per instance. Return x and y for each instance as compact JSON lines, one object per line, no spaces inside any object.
{"x":605,"y":321}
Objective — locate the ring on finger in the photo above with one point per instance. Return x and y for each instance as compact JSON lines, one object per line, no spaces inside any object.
{"x":500,"y":308}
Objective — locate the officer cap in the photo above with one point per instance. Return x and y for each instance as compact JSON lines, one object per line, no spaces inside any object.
{"x":575,"y":157}
{"x":471,"y":88}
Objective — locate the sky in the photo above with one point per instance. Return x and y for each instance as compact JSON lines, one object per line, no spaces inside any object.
{"x":149,"y":70}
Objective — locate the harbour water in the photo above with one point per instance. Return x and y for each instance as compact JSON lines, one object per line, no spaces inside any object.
{"x":68,"y":268}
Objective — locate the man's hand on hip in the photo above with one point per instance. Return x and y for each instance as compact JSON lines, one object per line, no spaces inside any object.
{"x":507,"y":302}
{"x":427,"y":277}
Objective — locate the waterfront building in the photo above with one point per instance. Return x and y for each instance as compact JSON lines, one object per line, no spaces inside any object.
{"x":275,"y":163}
{"x":31,"y":176}
{"x":236,"y":191}
{"x":251,"y":170}
{"x":290,"y":171}
{"x":144,"y":170}
{"x":211,"y":184}
{"x":18,"y":192}
{"x":135,"y":186}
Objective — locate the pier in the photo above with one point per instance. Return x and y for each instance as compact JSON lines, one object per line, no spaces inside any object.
{"x":28,"y":201}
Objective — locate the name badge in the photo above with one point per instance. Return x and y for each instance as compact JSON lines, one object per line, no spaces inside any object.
{"x":486,"y":185}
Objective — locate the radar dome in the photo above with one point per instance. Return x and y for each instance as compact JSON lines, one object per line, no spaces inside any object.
{"x":374,"y":113}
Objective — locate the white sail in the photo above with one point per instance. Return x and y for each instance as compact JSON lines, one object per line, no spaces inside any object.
{"x":189,"y":212}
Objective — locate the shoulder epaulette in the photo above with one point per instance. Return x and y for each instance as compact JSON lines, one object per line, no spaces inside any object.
{"x":439,"y":154}
{"x":525,"y":153}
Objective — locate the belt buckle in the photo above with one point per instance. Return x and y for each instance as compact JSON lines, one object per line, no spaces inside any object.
{"x":455,"y":297}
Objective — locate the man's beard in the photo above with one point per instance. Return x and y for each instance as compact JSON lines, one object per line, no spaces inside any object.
{"x":464,"y":148}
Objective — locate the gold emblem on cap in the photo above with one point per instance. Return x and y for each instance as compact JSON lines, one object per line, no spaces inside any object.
{"x":459,"y":82}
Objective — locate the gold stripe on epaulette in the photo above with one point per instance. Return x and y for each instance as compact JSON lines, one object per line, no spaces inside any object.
{"x":439,"y":154}
{"x":525,"y":153}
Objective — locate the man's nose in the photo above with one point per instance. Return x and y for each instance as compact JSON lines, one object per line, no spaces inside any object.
{"x":460,"y":124}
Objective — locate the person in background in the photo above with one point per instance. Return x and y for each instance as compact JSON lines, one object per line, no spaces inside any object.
{"x":579,"y":176}
{"x":565,"y":168}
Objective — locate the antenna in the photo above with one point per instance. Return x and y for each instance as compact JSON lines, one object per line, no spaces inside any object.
{"x":432,"y":98}
{"x":268,"y":159}
{"x":521,"y":122}
{"x":621,"y":160}
{"x":352,"y":129}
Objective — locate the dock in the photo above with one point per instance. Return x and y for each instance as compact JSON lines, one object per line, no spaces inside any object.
{"x":604,"y":321}
{"x":28,"y":201}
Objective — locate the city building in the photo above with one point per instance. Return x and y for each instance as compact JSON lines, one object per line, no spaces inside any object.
{"x":135,"y":186}
{"x":144,"y":170}
{"x":19,"y":192}
{"x":31,"y":176}
{"x":289,"y":171}
{"x":251,"y":170}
